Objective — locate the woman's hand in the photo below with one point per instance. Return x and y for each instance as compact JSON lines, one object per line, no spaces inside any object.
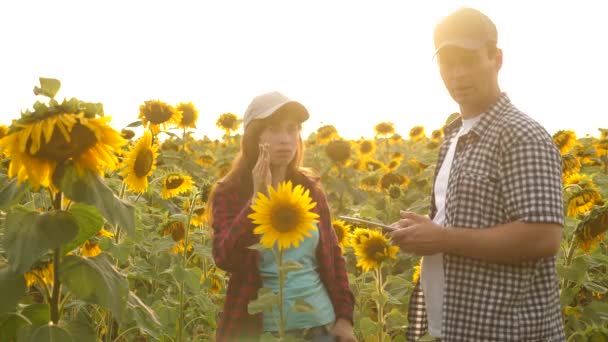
{"x":343,"y":330}
{"x":261,"y":175}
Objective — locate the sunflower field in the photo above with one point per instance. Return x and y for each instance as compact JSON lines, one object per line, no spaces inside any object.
{"x":104,"y":233}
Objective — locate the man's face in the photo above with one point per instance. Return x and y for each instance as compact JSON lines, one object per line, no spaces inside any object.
{"x":470,"y":76}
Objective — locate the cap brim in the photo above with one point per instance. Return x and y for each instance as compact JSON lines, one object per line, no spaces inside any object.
{"x":294,"y":108}
{"x":468,"y":44}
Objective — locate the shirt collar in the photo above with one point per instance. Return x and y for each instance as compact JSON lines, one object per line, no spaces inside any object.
{"x":486,"y":118}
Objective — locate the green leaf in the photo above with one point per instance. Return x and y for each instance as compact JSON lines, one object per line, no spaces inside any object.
{"x":9,"y":326}
{"x":576,"y":272}
{"x":11,"y":194}
{"x":257,"y":247}
{"x":38,"y":314}
{"x":302,"y":306}
{"x":368,"y":327}
{"x":190,"y":276}
{"x":91,"y":189}
{"x":45,"y":333}
{"x":48,"y":87}
{"x":264,"y":303}
{"x":144,"y":316}
{"x":80,"y":331}
{"x":12,"y":288}
{"x":135,"y":124}
{"x":291,"y":265}
{"x":89,"y":222}
{"x":29,"y":235}
{"x":595,"y":287}
{"x":96,"y":280}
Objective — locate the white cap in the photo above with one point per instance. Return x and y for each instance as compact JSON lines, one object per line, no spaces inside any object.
{"x":263,"y":106}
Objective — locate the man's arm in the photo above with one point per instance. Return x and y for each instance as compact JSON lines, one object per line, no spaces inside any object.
{"x":513,"y":242}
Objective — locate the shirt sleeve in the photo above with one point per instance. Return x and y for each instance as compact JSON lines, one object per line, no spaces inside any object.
{"x":336,"y":280}
{"x":232,"y":233}
{"x":532,"y":181}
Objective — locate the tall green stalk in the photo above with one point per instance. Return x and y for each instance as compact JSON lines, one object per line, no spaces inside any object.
{"x":281,"y":295}
{"x":56,"y":294}
{"x":379,"y":305}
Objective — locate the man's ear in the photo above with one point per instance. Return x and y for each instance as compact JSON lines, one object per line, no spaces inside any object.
{"x":498,"y":59}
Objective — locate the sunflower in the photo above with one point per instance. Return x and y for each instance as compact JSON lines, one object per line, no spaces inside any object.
{"x":157,"y":113}
{"x":395,"y":139}
{"x":602,"y":147}
{"x":90,"y":249}
{"x":582,"y":201}
{"x":36,"y":146}
{"x":177,"y":229}
{"x":417,"y":133}
{"x":416,"y":274}
{"x":189,"y":115}
{"x":603,"y":133}
{"x":384,"y":129}
{"x":205,"y":160}
{"x":394,"y":191}
{"x":338,"y":151}
{"x":576,"y":178}
{"x":373,"y":249}
{"x":199,"y":216}
{"x":3,"y":131}
{"x":40,"y":275}
{"x":393,"y":165}
{"x":373,"y":165}
{"x":370,"y":182}
{"x":342,"y":230}
{"x":228,"y":122}
{"x":285,"y":216}
{"x":215,"y":280}
{"x":140,"y":163}
{"x":103,"y":232}
{"x":592,"y":228}
{"x":437,"y":135}
{"x":367,"y":147}
{"x":393,"y":178}
{"x":570,"y":165}
{"x":564,"y":140}
{"x":397,"y":156}
{"x":175,"y":184}
{"x":326,"y":134}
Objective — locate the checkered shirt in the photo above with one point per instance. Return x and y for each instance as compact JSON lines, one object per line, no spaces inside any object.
{"x":505,"y":169}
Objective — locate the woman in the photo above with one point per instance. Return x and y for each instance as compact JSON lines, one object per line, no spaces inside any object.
{"x":272,"y":152}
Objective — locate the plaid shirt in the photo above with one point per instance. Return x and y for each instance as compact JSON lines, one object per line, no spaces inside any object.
{"x":233,"y":232}
{"x":505,"y":169}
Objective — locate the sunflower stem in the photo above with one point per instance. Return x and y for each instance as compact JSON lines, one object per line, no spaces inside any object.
{"x":281,"y":286}
{"x":380,"y":306}
{"x":56,"y":295}
{"x":569,"y":257}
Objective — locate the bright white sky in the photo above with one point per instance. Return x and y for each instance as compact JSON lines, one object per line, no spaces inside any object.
{"x":352,"y":63}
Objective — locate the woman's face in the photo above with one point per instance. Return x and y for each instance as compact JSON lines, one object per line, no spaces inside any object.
{"x":282,"y":137}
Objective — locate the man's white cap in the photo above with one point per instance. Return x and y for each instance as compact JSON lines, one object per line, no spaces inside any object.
{"x":263,"y":106}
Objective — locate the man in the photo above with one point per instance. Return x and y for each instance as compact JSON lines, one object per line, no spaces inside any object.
{"x":489,"y":247}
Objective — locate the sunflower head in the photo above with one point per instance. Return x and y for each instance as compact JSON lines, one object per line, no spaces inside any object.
{"x":3,"y":131}
{"x":367,"y":147}
{"x":206,"y":160}
{"x":90,"y":249}
{"x":229,"y":122}
{"x":583,"y":200}
{"x":189,"y":115}
{"x":199,"y":216}
{"x":393,"y":165}
{"x":564,"y":140}
{"x":373,"y":249}
{"x":416,"y":274}
{"x":394,"y":191}
{"x":370,"y":182}
{"x":393,"y":178}
{"x":176,"y":228}
{"x":338,"y":151}
{"x":603,"y":133}
{"x":602,"y":147}
{"x":326,"y":134}
{"x":417,"y":133}
{"x":437,"y":135}
{"x":55,"y":133}
{"x":570,"y":165}
{"x":384,"y":129}
{"x":284,"y":217}
{"x":175,"y":184}
{"x":342,"y":230}
{"x":373,"y":165}
{"x":395,"y":139}
{"x":139,"y":163}
{"x":158,"y":114}
{"x":592,"y":227}
{"x":42,"y":275}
